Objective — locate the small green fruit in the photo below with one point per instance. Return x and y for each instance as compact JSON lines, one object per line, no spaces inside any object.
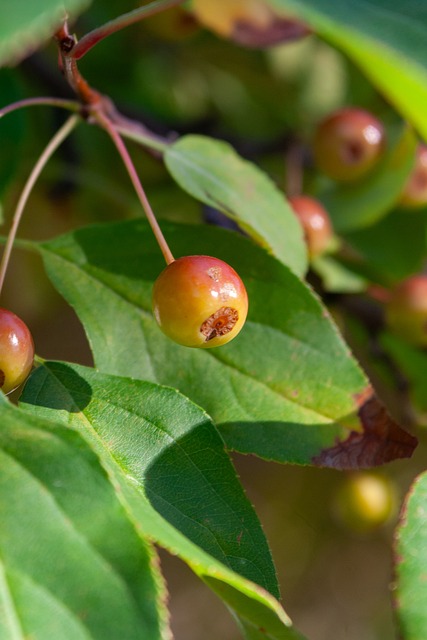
{"x":200,"y":301}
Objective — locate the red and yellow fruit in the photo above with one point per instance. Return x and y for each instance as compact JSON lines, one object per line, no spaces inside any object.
{"x":200,"y":301}
{"x":16,"y":351}
{"x":348,"y":144}
{"x":315,"y":222}
{"x":414,"y":194}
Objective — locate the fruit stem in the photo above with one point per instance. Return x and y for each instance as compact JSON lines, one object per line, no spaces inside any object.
{"x":72,"y":105}
{"x":54,"y":143}
{"x":108,"y":126}
{"x":294,"y":170}
{"x":93,"y":37}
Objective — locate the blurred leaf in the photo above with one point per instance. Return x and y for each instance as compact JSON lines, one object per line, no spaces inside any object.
{"x":359,"y":205}
{"x":61,"y":576}
{"x":12,"y":131}
{"x":25,"y":25}
{"x":167,"y":463}
{"x":386,"y":38}
{"x":337,"y":277}
{"x":394,"y":247}
{"x":287,"y":388}
{"x":411,"y":563}
{"x":413,"y":364}
{"x":212,"y":172}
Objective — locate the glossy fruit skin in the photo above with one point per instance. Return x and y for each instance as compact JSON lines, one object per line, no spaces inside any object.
{"x":406,"y":310}
{"x":16,"y":351}
{"x":315,"y":222}
{"x":414,"y":194}
{"x":348,"y":144}
{"x":200,"y":301}
{"x":364,"y":502}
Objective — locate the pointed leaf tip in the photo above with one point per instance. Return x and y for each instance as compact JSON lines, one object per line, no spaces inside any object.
{"x":381,"y":439}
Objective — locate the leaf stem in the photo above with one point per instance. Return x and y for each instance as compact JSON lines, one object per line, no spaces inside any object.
{"x":54,"y":143}
{"x":124,"y":153}
{"x":72,"y":105}
{"x":93,"y":37}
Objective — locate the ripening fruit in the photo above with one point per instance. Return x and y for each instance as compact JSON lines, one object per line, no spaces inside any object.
{"x":414,"y":193}
{"x":348,"y":144}
{"x":406,"y":310}
{"x":16,"y":351}
{"x":365,"y":501}
{"x":315,"y":223}
{"x":199,"y":301}
{"x":223,"y":15}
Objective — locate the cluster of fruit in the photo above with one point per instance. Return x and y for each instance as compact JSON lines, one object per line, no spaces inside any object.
{"x":346,"y":147}
{"x":200,"y":301}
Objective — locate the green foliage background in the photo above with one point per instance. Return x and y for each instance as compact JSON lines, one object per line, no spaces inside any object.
{"x":151,"y":465}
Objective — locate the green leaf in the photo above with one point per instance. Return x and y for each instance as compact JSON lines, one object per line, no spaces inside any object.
{"x":337,"y":277}
{"x":359,"y":205}
{"x":71,"y":565}
{"x":213,"y":172}
{"x":394,"y":247}
{"x":386,"y":38}
{"x":411,"y":563}
{"x":25,"y":25}
{"x":286,"y":389}
{"x":167,"y":463}
{"x":412,"y":362}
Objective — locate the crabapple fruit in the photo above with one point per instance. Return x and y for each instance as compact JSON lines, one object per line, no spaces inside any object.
{"x":348,"y":143}
{"x":414,"y":193}
{"x":406,"y":311}
{"x":365,"y":501}
{"x":200,"y":301}
{"x":315,"y":223}
{"x":16,"y":351}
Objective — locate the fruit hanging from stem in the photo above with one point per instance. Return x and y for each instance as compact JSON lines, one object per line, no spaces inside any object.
{"x":200,"y":301}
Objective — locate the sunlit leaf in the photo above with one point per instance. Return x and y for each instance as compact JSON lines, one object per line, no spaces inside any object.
{"x":287,"y":388}
{"x":167,"y":463}
{"x":61,"y":576}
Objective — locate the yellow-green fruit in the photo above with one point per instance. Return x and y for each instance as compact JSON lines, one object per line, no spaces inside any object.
{"x":200,"y":301}
{"x":365,"y":501}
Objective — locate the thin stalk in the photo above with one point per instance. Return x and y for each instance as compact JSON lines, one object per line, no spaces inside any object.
{"x":124,"y":153}
{"x":141,"y":136}
{"x":54,"y":143}
{"x":72,"y":105}
{"x":93,"y":37}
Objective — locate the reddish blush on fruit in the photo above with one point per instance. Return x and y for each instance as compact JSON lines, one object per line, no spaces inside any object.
{"x":406,"y":310}
{"x":200,"y":301}
{"x":414,"y":194}
{"x":348,"y":143}
{"x":16,"y":351}
{"x":315,"y":222}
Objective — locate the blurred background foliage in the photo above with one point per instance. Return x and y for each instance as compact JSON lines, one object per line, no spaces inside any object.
{"x":176,"y":77}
